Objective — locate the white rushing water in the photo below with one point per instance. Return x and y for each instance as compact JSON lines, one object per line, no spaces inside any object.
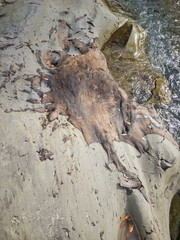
{"x":161,"y":19}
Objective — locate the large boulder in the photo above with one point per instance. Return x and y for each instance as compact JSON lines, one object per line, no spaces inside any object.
{"x":92,"y":172}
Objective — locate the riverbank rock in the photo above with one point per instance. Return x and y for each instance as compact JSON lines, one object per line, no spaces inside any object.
{"x":57,"y":179}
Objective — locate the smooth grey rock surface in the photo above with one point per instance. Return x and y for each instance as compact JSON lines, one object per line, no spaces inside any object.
{"x":72,"y":195}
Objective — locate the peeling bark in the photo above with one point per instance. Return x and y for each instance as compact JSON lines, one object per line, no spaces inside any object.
{"x":83,"y":88}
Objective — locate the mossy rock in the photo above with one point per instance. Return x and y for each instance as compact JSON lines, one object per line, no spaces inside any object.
{"x":175,"y":217}
{"x":130,"y":67}
{"x":161,"y":93}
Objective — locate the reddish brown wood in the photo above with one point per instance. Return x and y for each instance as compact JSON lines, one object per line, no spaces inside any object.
{"x":84,"y":89}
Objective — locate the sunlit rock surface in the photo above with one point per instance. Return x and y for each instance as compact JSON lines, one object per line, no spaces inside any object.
{"x":53,"y":185}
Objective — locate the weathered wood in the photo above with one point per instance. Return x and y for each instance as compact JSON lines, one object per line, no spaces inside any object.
{"x":84,"y":89}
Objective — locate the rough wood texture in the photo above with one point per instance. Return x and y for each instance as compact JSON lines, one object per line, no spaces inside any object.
{"x":84,"y":89}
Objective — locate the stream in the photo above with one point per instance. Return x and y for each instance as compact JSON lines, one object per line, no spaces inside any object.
{"x":161,"y":20}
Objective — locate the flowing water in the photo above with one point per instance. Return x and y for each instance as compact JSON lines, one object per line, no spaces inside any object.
{"x":161,"y":19}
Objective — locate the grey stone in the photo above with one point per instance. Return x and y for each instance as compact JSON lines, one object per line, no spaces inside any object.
{"x":75,"y":193}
